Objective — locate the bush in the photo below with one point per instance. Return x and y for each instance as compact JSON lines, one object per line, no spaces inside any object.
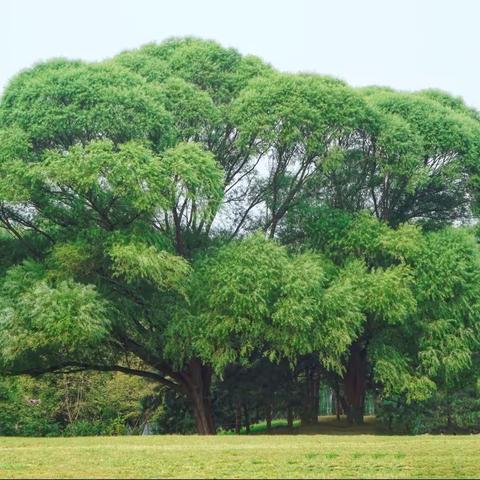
{"x":78,"y":405}
{"x":88,"y":428}
{"x":174,"y":416}
{"x":445,"y":412}
{"x":83,"y":428}
{"x":22,"y":415}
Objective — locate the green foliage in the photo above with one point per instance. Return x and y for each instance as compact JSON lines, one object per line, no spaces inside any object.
{"x":447,"y":287}
{"x":252,"y":296}
{"x":444,"y":412}
{"x":26,"y":410}
{"x":388,"y":295}
{"x":434,"y":160}
{"x":193,"y":176}
{"x":130,"y":191}
{"x":99,"y":170}
{"x":44,"y":320}
{"x":393,"y":369}
{"x":61,"y":103}
{"x":135,"y":261}
{"x":233,"y":294}
{"x":15,"y":149}
{"x":289,"y":109}
{"x":193,"y":110}
{"x":71,"y":405}
{"x":219,"y":71}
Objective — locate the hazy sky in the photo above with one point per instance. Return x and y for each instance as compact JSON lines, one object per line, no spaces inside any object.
{"x":406,"y":44}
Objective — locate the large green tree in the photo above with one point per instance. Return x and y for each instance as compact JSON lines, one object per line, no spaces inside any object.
{"x":138,"y":195}
{"x":418,"y":299}
{"x":110,"y":182}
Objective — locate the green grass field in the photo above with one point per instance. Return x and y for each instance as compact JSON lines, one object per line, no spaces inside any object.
{"x":345,"y":454}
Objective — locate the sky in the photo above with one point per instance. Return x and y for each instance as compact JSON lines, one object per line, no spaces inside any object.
{"x":405,"y":44}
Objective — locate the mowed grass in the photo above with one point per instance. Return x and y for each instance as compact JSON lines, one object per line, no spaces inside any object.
{"x":254,"y":456}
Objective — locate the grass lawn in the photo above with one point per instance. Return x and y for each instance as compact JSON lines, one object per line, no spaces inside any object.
{"x":303,"y":455}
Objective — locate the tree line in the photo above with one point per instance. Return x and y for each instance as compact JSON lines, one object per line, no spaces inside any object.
{"x":192,"y":216}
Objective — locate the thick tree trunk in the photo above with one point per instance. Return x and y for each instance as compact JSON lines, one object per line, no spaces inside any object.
{"x":311,"y":400}
{"x":354,"y":384}
{"x":197,"y":379}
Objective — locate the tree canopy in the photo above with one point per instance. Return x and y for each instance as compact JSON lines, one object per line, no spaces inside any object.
{"x":181,"y":210}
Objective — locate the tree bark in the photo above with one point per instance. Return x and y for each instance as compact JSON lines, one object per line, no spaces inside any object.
{"x":198,"y":379}
{"x":337,"y":404}
{"x":247,"y":418}
{"x":354,"y":384}
{"x":268,"y":416}
{"x":238,"y":418}
{"x":311,"y":400}
{"x":290,"y":417}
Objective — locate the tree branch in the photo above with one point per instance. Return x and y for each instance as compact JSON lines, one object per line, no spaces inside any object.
{"x":80,"y":367}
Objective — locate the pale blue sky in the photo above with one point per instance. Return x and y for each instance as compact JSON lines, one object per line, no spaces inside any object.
{"x":406,"y":44}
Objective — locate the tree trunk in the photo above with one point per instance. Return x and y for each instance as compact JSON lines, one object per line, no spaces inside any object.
{"x":238,"y":418}
{"x":247,"y":418}
{"x":197,"y":379}
{"x":354,"y":383}
{"x":290,"y":417}
{"x":315,"y":394}
{"x":268,"y":416}
{"x":337,"y":404}
{"x":311,"y":400}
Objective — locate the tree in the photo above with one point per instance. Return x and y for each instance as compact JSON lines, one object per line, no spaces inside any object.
{"x":138,"y":195}
{"x":105,"y":276}
{"x":417,"y":161}
{"x":418,"y":164}
{"x":418,"y":302}
{"x":109,"y":196}
{"x":252,"y":299}
{"x":103,"y":195}
{"x":295,"y":122}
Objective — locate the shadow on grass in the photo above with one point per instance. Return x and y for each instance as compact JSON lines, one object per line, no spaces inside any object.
{"x":327,"y":425}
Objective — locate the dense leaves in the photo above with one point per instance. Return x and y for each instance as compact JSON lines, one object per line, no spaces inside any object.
{"x":181,"y":212}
